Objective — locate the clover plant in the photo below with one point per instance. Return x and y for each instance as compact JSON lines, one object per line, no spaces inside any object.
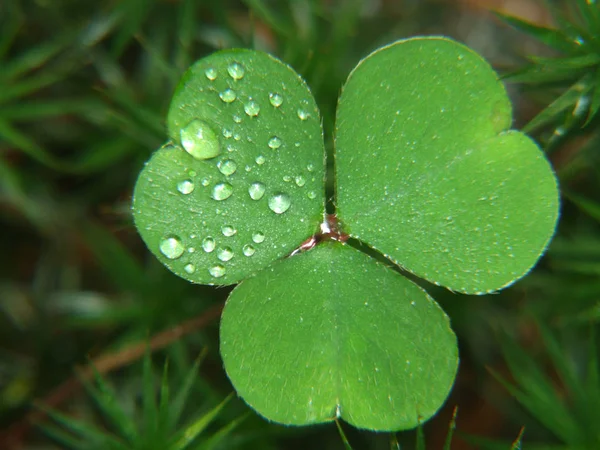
{"x":427,"y":172}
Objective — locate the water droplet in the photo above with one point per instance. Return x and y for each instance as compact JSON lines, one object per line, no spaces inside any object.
{"x":227,"y":133}
{"x":189,"y":268}
{"x":185,"y":187}
{"x":312,"y":195}
{"x":205,"y":182}
{"x":252,"y":108}
{"x":236,"y":71}
{"x":287,"y":178}
{"x":228,"y":95}
{"x":237,"y":137}
{"x":225,"y":254}
{"x":302,"y":115}
{"x":192,"y":249}
{"x":256,"y":191}
{"x":258,"y":237}
{"x":279,"y":203}
{"x":217,"y":271}
{"x":192,"y":173}
{"x":274,"y":143}
{"x":260,"y":160}
{"x":237,"y":119}
{"x":199,"y":140}
{"x":248,"y":250}
{"x":208,"y":244}
{"x":211,"y":73}
{"x":171,"y":247}
{"x":248,"y":168}
{"x":275,"y":99}
{"x":227,"y":167}
{"x":228,"y":230}
{"x":222,"y":191}
{"x":300,"y":181}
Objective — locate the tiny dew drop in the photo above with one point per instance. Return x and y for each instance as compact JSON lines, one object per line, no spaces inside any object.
{"x":236,"y":71}
{"x":225,"y":254}
{"x":199,"y":140}
{"x":208,"y":244}
{"x":274,"y":143}
{"x":189,"y":268}
{"x":279,"y":203}
{"x":258,"y":237}
{"x":227,"y":133}
{"x":237,"y":119}
{"x":256,"y":190}
{"x":300,"y":181}
{"x":222,"y":191}
{"x":228,"y":230}
{"x":275,"y":99}
{"x":252,"y":108}
{"x":302,"y":115}
{"x":227,"y":167}
{"x":171,"y":247}
{"x":312,"y":195}
{"x":228,"y":95}
{"x":287,"y":178}
{"x":205,"y":182}
{"x":217,"y":271}
{"x":192,"y":173}
{"x":260,"y":160}
{"x":185,"y":187}
{"x":211,"y":73}
{"x":310,"y":167}
{"x":248,"y":250}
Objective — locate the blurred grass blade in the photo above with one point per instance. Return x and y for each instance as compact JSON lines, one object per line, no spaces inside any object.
{"x":281,"y":25}
{"x":11,"y":22}
{"x":187,"y":435}
{"x":21,"y":142}
{"x":420,"y":444}
{"x":114,"y":259}
{"x":67,"y":440}
{"x":542,"y":74}
{"x":42,"y":109}
{"x":133,"y":13}
{"x":516,"y":445}
{"x":551,"y":37}
{"x":214,"y":441}
{"x":343,"y":437}
{"x":451,"y":429}
{"x":587,"y":205}
{"x":88,"y":433}
{"x":185,"y":33}
{"x":149,"y":406}
{"x":567,"y":100}
{"x":108,"y":402}
{"x":184,"y":392}
{"x":568,"y":63}
{"x":30,"y":85}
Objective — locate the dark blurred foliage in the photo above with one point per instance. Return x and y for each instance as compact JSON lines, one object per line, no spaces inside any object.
{"x":84,"y":90}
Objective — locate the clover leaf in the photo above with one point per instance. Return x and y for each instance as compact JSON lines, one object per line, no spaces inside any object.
{"x":427,"y":172}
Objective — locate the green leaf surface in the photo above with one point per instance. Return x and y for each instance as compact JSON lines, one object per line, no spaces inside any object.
{"x":429,"y":174}
{"x":333,"y":333}
{"x":242,"y":182}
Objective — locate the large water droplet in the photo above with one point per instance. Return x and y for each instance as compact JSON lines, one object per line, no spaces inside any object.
{"x":248,"y":250}
{"x":171,"y":247}
{"x":260,"y":160}
{"x":217,"y":271}
{"x":312,"y":195}
{"x":228,"y":95}
{"x":199,"y":140}
{"x":225,"y":254}
{"x":222,"y":191}
{"x":227,"y":167}
{"x":211,"y":73}
{"x":185,"y":187}
{"x":252,"y":108}
{"x":208,"y":244}
{"x":275,"y":99}
{"x":258,"y":237}
{"x":274,"y":143}
{"x":256,"y":191}
{"x":302,"y":115}
{"x":236,"y":71}
{"x":228,"y":230}
{"x":300,"y":181}
{"x":279,"y":203}
{"x":189,"y":268}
